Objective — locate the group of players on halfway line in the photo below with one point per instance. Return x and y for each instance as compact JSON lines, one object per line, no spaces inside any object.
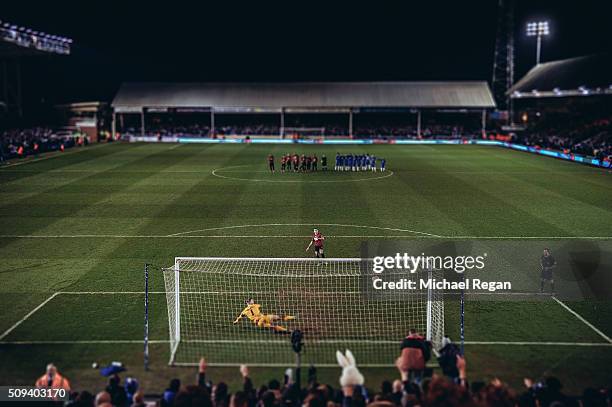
{"x":346,"y":162}
{"x":252,"y":311}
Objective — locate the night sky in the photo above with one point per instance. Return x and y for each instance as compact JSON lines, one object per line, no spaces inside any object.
{"x":288,"y":41}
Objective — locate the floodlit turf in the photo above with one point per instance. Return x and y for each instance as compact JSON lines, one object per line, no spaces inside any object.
{"x":89,"y":220}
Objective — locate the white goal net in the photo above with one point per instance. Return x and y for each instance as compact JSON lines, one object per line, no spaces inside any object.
{"x":303,"y":131}
{"x":331,"y":301}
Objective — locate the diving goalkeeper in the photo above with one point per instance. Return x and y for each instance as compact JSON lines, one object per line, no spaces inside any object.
{"x":253,"y":312}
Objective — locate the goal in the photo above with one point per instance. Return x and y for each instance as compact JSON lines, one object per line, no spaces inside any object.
{"x":306,"y":132}
{"x":332,"y":300}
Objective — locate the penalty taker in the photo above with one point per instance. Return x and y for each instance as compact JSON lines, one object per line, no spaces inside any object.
{"x":474,"y":284}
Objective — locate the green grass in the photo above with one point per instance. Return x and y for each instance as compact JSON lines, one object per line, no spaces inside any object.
{"x":88,"y":221}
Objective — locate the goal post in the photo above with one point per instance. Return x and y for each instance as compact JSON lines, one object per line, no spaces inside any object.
{"x":303,"y":131}
{"x":330,"y":300}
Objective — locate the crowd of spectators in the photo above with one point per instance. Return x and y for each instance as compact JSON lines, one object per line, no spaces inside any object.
{"x":192,"y":130}
{"x":588,"y":137}
{"x":376,"y":132}
{"x":444,"y":131}
{"x":19,"y":143}
{"x":415,"y":385}
{"x":585,"y":137}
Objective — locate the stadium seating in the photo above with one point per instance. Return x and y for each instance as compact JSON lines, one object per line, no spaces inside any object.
{"x":587,"y":137}
{"x":18,"y":143}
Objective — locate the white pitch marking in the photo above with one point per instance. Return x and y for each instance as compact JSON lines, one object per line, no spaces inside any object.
{"x":509,"y":343}
{"x":214,"y":173}
{"x":203,"y":236}
{"x":587,"y":323}
{"x":107,"y":292}
{"x":179,"y":236}
{"x":527,"y":237}
{"x":86,"y":171}
{"x":28,"y":315}
{"x":204,"y":292}
{"x":222,"y":341}
{"x":306,"y":224}
{"x":85,"y":342}
{"x":418,"y":234}
{"x":495,"y":343}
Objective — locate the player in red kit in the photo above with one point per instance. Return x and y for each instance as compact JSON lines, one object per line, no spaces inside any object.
{"x":317,"y":239}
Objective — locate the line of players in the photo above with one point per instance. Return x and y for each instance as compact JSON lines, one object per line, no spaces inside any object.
{"x":347,"y":162}
{"x":359,"y":162}
{"x":296,"y":163}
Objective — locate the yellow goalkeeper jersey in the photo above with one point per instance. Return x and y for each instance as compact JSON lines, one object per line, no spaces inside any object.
{"x":252,"y":311}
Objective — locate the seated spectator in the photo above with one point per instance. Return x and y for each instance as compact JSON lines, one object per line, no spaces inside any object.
{"x":397,"y":392}
{"x":442,"y":392}
{"x":193,"y":395}
{"x":82,"y":399}
{"x":116,"y":391}
{"x":239,"y":399}
{"x":220,"y":396}
{"x":138,"y":399}
{"x":170,"y":393}
{"x":102,"y":398}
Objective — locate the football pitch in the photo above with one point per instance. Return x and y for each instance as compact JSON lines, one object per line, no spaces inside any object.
{"x":76,"y":230}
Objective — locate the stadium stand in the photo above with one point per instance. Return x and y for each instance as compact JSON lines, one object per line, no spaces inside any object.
{"x":566,"y":106}
{"x":17,"y":43}
{"x":581,"y":76}
{"x":274,"y":107}
{"x":590,"y":138}
{"x":31,"y":40}
{"x":19,"y":143}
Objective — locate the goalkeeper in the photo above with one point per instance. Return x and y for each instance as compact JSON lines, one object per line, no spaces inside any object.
{"x":253,"y":312}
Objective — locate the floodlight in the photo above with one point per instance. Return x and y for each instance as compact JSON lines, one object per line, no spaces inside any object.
{"x":538,"y":29}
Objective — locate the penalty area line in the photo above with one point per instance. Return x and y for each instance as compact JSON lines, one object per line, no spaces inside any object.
{"x":581,"y":318}
{"x":518,"y":343}
{"x":28,"y":315}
